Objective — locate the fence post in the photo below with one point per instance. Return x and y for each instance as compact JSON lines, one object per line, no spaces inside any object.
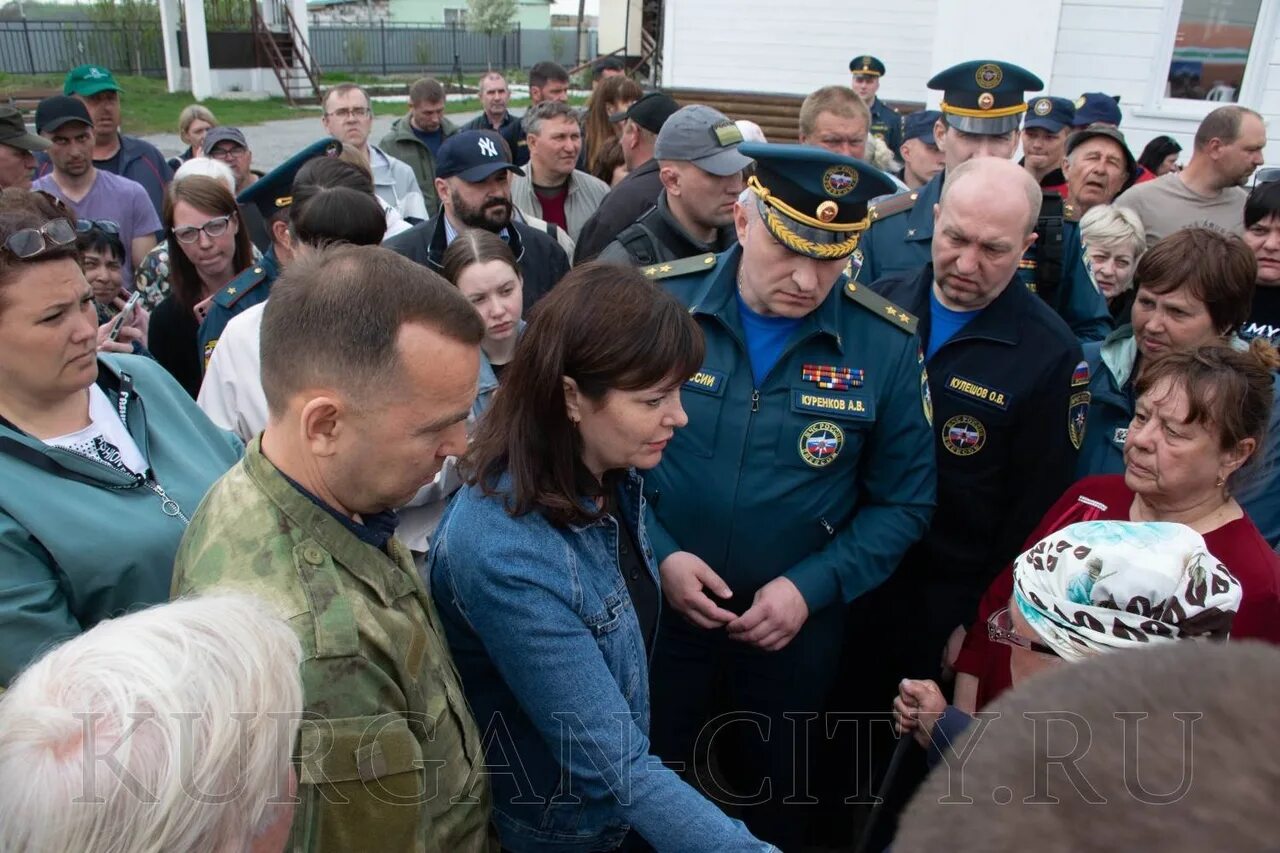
{"x":26,"y":33}
{"x":382,"y":25}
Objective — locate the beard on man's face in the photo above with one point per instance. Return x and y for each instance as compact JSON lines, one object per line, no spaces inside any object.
{"x":493,"y":215}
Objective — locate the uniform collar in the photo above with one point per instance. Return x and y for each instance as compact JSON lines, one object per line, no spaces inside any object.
{"x":998,"y":322}
{"x":920,"y":216}
{"x":716,"y":299}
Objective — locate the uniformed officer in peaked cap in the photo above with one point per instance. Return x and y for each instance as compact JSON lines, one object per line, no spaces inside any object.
{"x":982,"y":107}
{"x":886,"y":123}
{"x":271,"y":195}
{"x":805,"y":473}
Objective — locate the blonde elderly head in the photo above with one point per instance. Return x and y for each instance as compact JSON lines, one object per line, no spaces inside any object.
{"x":168,"y":729}
{"x":1113,"y":239}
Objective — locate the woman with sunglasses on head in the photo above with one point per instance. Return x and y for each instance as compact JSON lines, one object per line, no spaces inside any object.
{"x":1200,"y":420}
{"x":103,"y":457}
{"x":207,"y":249}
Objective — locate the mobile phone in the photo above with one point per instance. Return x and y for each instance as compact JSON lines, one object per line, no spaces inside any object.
{"x":126,"y":314}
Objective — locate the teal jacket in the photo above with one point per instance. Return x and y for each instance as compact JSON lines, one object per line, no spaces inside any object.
{"x":900,"y":240}
{"x":81,"y":542}
{"x":826,"y":486}
{"x":1111,"y":375}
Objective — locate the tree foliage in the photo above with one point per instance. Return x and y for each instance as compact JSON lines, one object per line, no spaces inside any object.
{"x":491,"y":17}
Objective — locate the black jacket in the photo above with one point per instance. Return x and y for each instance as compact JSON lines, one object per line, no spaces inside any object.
{"x":542,"y":261}
{"x":624,"y":204}
{"x":1009,"y":404}
{"x":656,"y":237}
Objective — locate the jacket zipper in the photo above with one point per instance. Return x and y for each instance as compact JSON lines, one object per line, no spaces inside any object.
{"x":168,"y":505}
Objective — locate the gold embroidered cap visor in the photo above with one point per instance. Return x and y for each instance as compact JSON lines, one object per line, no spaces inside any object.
{"x":813,"y":201}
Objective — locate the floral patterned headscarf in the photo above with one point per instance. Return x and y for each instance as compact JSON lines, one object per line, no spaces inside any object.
{"x":1102,"y":585}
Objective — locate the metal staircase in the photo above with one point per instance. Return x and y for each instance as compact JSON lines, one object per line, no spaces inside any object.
{"x":282,"y":46}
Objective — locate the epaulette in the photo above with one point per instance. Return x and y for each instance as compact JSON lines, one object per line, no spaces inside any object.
{"x":684,"y":266}
{"x":881,"y":307}
{"x":240,"y":285}
{"x":891,"y":205}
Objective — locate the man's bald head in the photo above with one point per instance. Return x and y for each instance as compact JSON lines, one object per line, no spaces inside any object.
{"x":1002,"y":181}
{"x":982,"y":225}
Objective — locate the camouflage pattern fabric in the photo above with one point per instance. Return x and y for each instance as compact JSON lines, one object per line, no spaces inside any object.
{"x":388,"y":755}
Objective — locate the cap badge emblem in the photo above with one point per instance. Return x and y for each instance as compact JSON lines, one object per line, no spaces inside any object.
{"x":827,"y":211}
{"x":986,"y":101}
{"x":839,"y":180}
{"x":989,"y":75}
{"x":1043,"y":107}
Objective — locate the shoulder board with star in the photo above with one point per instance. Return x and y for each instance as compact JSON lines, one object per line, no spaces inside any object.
{"x":240,"y":285}
{"x":684,"y":266}
{"x":893,"y":204}
{"x":881,"y":307}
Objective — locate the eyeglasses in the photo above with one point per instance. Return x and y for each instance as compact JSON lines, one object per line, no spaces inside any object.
{"x":215,"y":227}
{"x":106,"y":226}
{"x":225,"y":154}
{"x":351,"y":112}
{"x":33,"y":242}
{"x":1266,"y":176}
{"x":1000,"y":630}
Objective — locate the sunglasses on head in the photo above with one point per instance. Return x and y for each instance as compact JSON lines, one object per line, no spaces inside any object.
{"x":106,"y":226}
{"x":32,"y":242}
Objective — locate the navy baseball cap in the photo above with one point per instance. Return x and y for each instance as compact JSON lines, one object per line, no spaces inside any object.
{"x":57,"y":110}
{"x":985,"y":96}
{"x":473,"y":155}
{"x":1097,"y":108}
{"x":919,"y":125}
{"x":1051,"y":114}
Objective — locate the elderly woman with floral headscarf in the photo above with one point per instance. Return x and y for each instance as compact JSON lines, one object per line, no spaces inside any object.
{"x":1090,"y":588}
{"x":1195,"y":439}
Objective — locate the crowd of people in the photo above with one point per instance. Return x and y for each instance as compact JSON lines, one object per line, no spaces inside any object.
{"x":568,"y":481}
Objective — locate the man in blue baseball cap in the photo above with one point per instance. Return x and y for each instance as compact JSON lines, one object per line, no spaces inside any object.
{"x":473,"y":180}
{"x":1097,"y":108}
{"x":804,"y":474}
{"x":921,"y":158}
{"x":982,"y":108}
{"x":1044,"y":141}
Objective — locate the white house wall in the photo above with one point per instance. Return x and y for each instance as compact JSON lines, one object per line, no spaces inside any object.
{"x":796,"y":46}
{"x":1114,"y":46}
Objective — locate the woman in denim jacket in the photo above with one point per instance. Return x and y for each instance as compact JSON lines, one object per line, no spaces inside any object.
{"x":545,"y":580}
{"x":481,"y":265}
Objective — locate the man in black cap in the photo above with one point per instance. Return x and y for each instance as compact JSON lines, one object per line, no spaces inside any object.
{"x":1044,"y":141}
{"x":473,"y":180}
{"x":228,"y":144}
{"x":701,"y":172}
{"x":91,"y":192}
{"x":885,"y":121}
{"x":1098,"y":162}
{"x":638,"y":191}
{"x":17,"y":150}
{"x":921,"y":159}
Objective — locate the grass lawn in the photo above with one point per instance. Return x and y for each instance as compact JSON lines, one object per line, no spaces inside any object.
{"x":148,"y":107}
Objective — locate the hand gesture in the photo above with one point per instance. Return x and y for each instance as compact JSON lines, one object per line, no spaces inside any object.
{"x":776,"y":614}
{"x":917,"y":708}
{"x":685,"y":579}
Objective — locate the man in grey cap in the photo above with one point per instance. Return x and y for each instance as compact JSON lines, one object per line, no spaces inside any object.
{"x":228,"y":145}
{"x":701,"y":170}
{"x":639,"y":190}
{"x":17,"y":150}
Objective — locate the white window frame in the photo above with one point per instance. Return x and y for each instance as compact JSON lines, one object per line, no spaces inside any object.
{"x":1252,"y":85}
